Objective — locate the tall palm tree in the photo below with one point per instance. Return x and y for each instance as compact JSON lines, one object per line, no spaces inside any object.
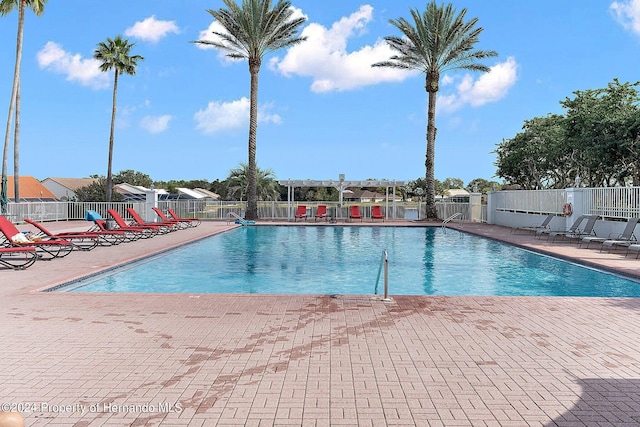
{"x":6,"y":6}
{"x":115,"y":54}
{"x":437,"y":41}
{"x":252,"y":30}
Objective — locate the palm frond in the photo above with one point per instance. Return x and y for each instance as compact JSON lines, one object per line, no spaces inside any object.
{"x":255,"y":28}
{"x":436,"y":40}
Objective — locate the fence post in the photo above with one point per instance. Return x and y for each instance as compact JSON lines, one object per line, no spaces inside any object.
{"x":575,"y":199}
{"x":151,"y":202}
{"x":475,"y":206}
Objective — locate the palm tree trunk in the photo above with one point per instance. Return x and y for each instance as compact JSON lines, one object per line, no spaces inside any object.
{"x":113,"y":121}
{"x":16,"y":149}
{"x":252,"y":193}
{"x":432,"y":88}
{"x":14,"y":94}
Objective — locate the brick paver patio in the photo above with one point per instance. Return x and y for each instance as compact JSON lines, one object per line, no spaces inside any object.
{"x":313,"y":360}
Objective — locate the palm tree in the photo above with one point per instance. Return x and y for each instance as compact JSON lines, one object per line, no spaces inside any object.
{"x":438,"y":41}
{"x":267,"y":188}
{"x":115,"y":54}
{"x":6,"y":6}
{"x":251,"y":31}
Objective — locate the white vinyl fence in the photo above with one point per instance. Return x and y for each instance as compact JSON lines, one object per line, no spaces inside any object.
{"x":224,"y":211}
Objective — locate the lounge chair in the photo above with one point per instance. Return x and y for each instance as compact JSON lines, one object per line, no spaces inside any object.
{"x":114,"y":236}
{"x":80,"y":240}
{"x":18,"y":258}
{"x":145,"y":231}
{"x":192,"y":222}
{"x":575,"y":232}
{"x":321,"y":212}
{"x":46,"y":249}
{"x":354,"y":213}
{"x":634,"y":247}
{"x":626,"y":239}
{"x":627,"y":236}
{"x":547,"y":231}
{"x":138,"y":221}
{"x":376,"y":213}
{"x":163,"y":218}
{"x":301,"y":212}
{"x":534,"y":228}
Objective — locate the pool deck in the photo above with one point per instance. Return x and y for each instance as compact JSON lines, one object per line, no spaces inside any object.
{"x":314,"y":360}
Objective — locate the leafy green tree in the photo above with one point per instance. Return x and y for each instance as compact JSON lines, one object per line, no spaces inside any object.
{"x":538,"y":157}
{"x":6,"y":7}
{"x":483,"y":186}
{"x":115,"y":54}
{"x":132,"y":177}
{"x":436,"y":42}
{"x":603,"y":131}
{"x":597,"y":141}
{"x":251,"y":31}
{"x":450,"y":183}
{"x":238,"y":183}
{"x":96,"y":192}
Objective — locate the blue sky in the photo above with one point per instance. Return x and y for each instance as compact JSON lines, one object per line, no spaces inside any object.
{"x":323,"y":109}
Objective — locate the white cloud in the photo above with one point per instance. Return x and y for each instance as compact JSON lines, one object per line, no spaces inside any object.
{"x":85,"y":71}
{"x":227,"y":116}
{"x":488,"y":87}
{"x":151,"y":29}
{"x":627,"y":13}
{"x":324,"y":56}
{"x":155,"y":124}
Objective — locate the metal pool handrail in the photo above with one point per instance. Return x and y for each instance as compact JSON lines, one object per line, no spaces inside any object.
{"x":451,"y":218}
{"x":238,"y":217}
{"x":384,"y":262}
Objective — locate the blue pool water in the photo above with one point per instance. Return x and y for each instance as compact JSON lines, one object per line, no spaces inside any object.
{"x":345,"y":260}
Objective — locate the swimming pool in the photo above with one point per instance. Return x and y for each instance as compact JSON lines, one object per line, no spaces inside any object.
{"x":345,"y":260}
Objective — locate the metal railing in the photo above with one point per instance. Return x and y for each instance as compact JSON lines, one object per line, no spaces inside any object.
{"x":384,"y":266}
{"x":612,"y":202}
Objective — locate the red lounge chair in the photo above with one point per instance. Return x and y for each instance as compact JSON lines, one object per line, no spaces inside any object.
{"x":138,"y":221}
{"x":354,"y":213}
{"x":321,"y":212}
{"x":115,"y":236}
{"x":145,"y":231}
{"x":163,"y":218}
{"x":301,"y":213}
{"x":192,"y":222}
{"x":46,"y":249}
{"x":18,"y":258}
{"x":376,"y":213}
{"x":84,"y":241}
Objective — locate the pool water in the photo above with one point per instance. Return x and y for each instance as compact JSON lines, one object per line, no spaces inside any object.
{"x":346,"y":260}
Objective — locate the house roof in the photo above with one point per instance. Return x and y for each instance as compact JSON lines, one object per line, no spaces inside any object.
{"x":73,"y":183}
{"x":207,"y":193}
{"x":30,"y":188}
{"x":190,"y":193}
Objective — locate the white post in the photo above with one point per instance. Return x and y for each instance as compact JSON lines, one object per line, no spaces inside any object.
{"x":151,"y":202}
{"x":475,"y":205}
{"x":575,"y":199}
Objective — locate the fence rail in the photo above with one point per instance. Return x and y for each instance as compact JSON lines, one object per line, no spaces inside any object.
{"x":220,"y":210}
{"x":607,"y":203}
{"x":530,"y":201}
